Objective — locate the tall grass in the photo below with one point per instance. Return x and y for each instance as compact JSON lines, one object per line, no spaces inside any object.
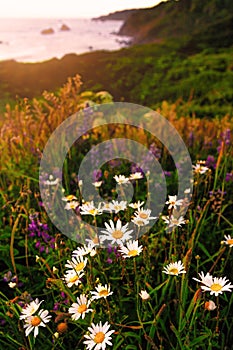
{"x":34,"y":253}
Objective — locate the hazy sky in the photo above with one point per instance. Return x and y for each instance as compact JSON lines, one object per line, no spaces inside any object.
{"x":68,"y":8}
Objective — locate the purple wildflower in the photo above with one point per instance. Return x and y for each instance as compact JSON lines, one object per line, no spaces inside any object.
{"x":210,"y":162}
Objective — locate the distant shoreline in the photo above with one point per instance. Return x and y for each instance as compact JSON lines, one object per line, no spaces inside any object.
{"x":30,"y":41}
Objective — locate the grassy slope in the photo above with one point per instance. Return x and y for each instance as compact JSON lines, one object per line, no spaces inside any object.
{"x":144,"y":74}
{"x":179,"y":19}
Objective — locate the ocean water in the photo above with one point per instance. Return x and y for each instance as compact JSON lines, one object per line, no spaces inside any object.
{"x":21,"y":39}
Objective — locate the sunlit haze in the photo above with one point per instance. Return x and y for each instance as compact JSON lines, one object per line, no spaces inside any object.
{"x":68,"y":8}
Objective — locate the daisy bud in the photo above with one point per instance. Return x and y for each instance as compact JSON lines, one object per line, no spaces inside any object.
{"x":197,"y":295}
{"x":37,"y":258}
{"x":55,"y":270}
{"x":62,"y":327}
{"x":144,"y":295}
{"x":12,"y":284}
{"x":187,"y":259}
{"x":210,"y":305}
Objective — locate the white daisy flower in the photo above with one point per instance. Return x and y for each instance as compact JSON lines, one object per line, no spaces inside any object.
{"x":144,"y":214}
{"x":228,"y":240}
{"x":172,"y":221}
{"x":88,"y":208}
{"x":173,"y":202}
{"x":73,"y":278}
{"x":98,"y":336}
{"x":51,"y":181}
{"x":12,"y":284}
{"x":140,"y":222}
{"x":214,"y":285}
{"x":116,"y":206}
{"x":69,"y":198}
{"x":199,"y":168}
{"x":95,"y":241}
{"x":203,"y":277}
{"x":30,"y":309}
{"x":144,"y":295}
{"x":116,"y":234}
{"x":71,"y":205}
{"x":101,"y":292}
{"x":34,"y":322}
{"x":210,"y":305}
{"x":77,"y":263}
{"x":121,"y":179}
{"x":85,"y":250}
{"x":136,"y":176}
{"x":97,"y":184}
{"x":80,"y":308}
{"x":106,"y":207}
{"x":174,"y":268}
{"x":136,"y":205}
{"x":132,"y":249}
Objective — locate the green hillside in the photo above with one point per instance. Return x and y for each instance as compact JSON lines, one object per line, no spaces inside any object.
{"x":182,"y":19}
{"x":144,"y":74}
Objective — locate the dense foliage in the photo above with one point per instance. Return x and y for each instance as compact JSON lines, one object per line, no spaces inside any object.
{"x":169,"y":288}
{"x":176,"y":315}
{"x":146,"y":74}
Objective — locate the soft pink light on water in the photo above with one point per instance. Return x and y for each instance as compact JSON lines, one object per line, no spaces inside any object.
{"x":68,"y":8}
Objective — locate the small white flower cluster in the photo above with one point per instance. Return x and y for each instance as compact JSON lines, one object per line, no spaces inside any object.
{"x":175,"y":219}
{"x":214,"y":285}
{"x":71,"y":202}
{"x":200,"y":167}
{"x":99,"y":335}
{"x":34,"y":318}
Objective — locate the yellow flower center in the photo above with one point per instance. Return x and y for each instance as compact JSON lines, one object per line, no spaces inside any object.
{"x":230,"y":241}
{"x":79,"y":266}
{"x":82,"y":308}
{"x":70,"y":197}
{"x":133,"y":252}
{"x":73,"y":279}
{"x":174,"y":270}
{"x":99,"y":338}
{"x":35,"y":321}
{"x":118,"y":234}
{"x":103,"y":293}
{"x":92,"y":211}
{"x":143,"y":215}
{"x":117,"y":207}
{"x":216,"y":287}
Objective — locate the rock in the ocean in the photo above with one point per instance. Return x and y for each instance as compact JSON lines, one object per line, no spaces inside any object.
{"x":47,"y":31}
{"x":64,"y":27}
